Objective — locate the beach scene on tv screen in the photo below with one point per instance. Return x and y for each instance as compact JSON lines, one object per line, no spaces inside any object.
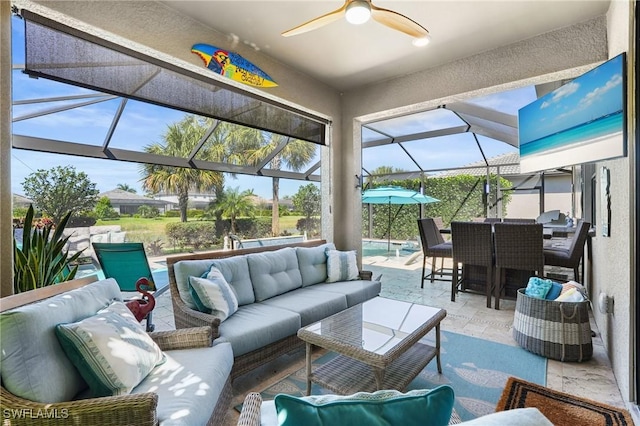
{"x":580,"y":122}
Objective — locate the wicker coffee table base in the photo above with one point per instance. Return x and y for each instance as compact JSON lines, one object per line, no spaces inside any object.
{"x":345,"y":376}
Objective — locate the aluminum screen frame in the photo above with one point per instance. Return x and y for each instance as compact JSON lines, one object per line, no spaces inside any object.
{"x":58,"y":52}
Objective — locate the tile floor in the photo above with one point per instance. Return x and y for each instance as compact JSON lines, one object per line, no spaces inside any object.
{"x":468,"y":315}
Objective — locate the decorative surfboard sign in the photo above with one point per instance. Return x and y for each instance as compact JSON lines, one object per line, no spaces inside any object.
{"x":232,"y":65}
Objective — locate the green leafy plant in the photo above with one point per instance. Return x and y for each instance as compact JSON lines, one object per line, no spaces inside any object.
{"x":42,"y":259}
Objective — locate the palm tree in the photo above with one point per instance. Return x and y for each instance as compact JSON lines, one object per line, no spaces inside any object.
{"x":126,"y":187}
{"x":179,"y":140}
{"x":295,"y":155}
{"x":234,"y":204}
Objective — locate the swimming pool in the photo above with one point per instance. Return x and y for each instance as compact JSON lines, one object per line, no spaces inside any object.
{"x":379,"y":248}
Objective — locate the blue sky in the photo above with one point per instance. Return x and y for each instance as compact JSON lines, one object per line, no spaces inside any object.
{"x":143,"y":124}
{"x":592,"y":95}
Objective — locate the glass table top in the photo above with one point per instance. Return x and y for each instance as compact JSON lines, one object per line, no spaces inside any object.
{"x":377,"y":325}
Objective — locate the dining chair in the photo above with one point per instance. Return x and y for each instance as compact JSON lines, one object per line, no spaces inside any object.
{"x":516,"y":246}
{"x":492,"y":220}
{"x":517,"y":220}
{"x":472,"y":246}
{"x":126,"y":263}
{"x":569,"y":257}
{"x":434,"y":246}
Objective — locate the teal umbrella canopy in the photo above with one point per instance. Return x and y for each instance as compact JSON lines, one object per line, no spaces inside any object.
{"x":395,"y":195}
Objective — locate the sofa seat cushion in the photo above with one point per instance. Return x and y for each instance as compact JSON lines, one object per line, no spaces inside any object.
{"x":234,"y":269}
{"x":189,"y":383}
{"x":257,"y":325}
{"x":313,"y":263}
{"x":111,"y":350}
{"x":355,"y":291}
{"x":33,"y":364}
{"x":310,"y":304}
{"x":274,"y":272}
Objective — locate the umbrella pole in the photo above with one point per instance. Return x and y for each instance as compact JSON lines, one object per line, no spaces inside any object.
{"x":389,"y":230}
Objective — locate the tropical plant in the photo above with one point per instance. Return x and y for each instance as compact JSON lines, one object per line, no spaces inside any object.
{"x":307,"y":201}
{"x":180,"y":140}
{"x":60,"y":190}
{"x":234,"y":204}
{"x":104,"y":210}
{"x":293,"y":154}
{"x":42,"y":259}
{"x":126,"y":187}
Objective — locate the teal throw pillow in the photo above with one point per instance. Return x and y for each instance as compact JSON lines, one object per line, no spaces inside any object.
{"x":111,"y":350}
{"x":213,"y":294}
{"x":381,"y":408}
{"x":538,"y":287}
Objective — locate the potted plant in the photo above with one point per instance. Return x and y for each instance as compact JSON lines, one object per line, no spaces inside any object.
{"x":42,"y":259}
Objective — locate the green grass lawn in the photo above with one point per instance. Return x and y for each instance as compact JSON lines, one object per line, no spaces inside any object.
{"x":147,"y":230}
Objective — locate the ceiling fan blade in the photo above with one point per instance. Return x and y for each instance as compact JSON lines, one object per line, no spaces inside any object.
{"x":398,"y":22}
{"x":317,"y":22}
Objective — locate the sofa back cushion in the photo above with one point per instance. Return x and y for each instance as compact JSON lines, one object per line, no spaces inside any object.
{"x":313,"y":263}
{"x":235,"y":271}
{"x":33,"y":365}
{"x":274,"y":272}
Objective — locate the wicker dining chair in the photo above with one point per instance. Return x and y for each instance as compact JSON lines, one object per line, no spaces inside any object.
{"x":517,"y":246}
{"x":517,"y":220}
{"x":569,"y":258}
{"x":472,"y":246}
{"x":492,"y":220}
{"x":434,"y":246}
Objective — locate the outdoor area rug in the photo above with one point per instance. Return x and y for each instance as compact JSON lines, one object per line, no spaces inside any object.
{"x":477,"y":370}
{"x":561,"y":408}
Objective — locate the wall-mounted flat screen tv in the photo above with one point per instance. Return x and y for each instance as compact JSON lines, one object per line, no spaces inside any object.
{"x":580,"y":122}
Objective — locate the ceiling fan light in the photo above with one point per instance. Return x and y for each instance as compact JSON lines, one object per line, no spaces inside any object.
{"x":421,"y":41}
{"x":358,"y":12}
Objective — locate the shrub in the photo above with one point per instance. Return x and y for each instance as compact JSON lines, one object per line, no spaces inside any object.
{"x":193,"y":234}
{"x":172,"y":213}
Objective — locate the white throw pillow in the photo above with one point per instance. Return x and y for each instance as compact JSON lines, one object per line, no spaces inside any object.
{"x":111,"y":350}
{"x":341,"y":266}
{"x":213,"y":294}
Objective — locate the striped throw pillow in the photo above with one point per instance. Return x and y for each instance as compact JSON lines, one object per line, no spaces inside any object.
{"x":213,"y":294}
{"x":341,"y":266}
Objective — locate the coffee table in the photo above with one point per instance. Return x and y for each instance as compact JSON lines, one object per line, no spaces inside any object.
{"x":377,"y":345}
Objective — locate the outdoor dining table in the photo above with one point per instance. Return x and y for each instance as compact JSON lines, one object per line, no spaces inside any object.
{"x":477,"y":275}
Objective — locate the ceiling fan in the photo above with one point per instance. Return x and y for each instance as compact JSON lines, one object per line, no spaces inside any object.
{"x":358,"y":12}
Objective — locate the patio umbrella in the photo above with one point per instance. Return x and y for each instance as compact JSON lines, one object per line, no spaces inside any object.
{"x":394,"y":195}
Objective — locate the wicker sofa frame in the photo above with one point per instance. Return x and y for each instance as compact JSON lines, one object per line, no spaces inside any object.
{"x":186,"y":317}
{"x":138,"y":409}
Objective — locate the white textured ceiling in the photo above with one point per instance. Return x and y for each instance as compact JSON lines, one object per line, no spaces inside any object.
{"x":346,"y":56}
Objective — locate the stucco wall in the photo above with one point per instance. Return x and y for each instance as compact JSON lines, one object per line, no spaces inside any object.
{"x":6,"y":228}
{"x":612,"y":255}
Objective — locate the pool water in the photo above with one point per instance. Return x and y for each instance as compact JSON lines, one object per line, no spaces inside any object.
{"x":379,"y":248}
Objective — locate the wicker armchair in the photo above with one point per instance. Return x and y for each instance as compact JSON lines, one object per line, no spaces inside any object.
{"x":517,"y":246}
{"x":138,"y":409}
{"x":434,"y":246}
{"x":569,"y":258}
{"x":472,"y":246}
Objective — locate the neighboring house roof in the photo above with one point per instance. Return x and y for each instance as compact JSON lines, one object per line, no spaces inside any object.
{"x":119,"y":196}
{"x":20,"y":200}
{"x":509,"y":166}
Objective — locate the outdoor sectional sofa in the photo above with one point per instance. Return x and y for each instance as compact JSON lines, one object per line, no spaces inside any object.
{"x":279,"y":290}
{"x":43,"y":384}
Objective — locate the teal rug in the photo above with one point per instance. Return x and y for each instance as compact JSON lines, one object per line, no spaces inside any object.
{"x":476,"y":369}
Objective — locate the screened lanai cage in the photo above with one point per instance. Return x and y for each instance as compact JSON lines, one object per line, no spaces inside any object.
{"x":464,"y":154}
